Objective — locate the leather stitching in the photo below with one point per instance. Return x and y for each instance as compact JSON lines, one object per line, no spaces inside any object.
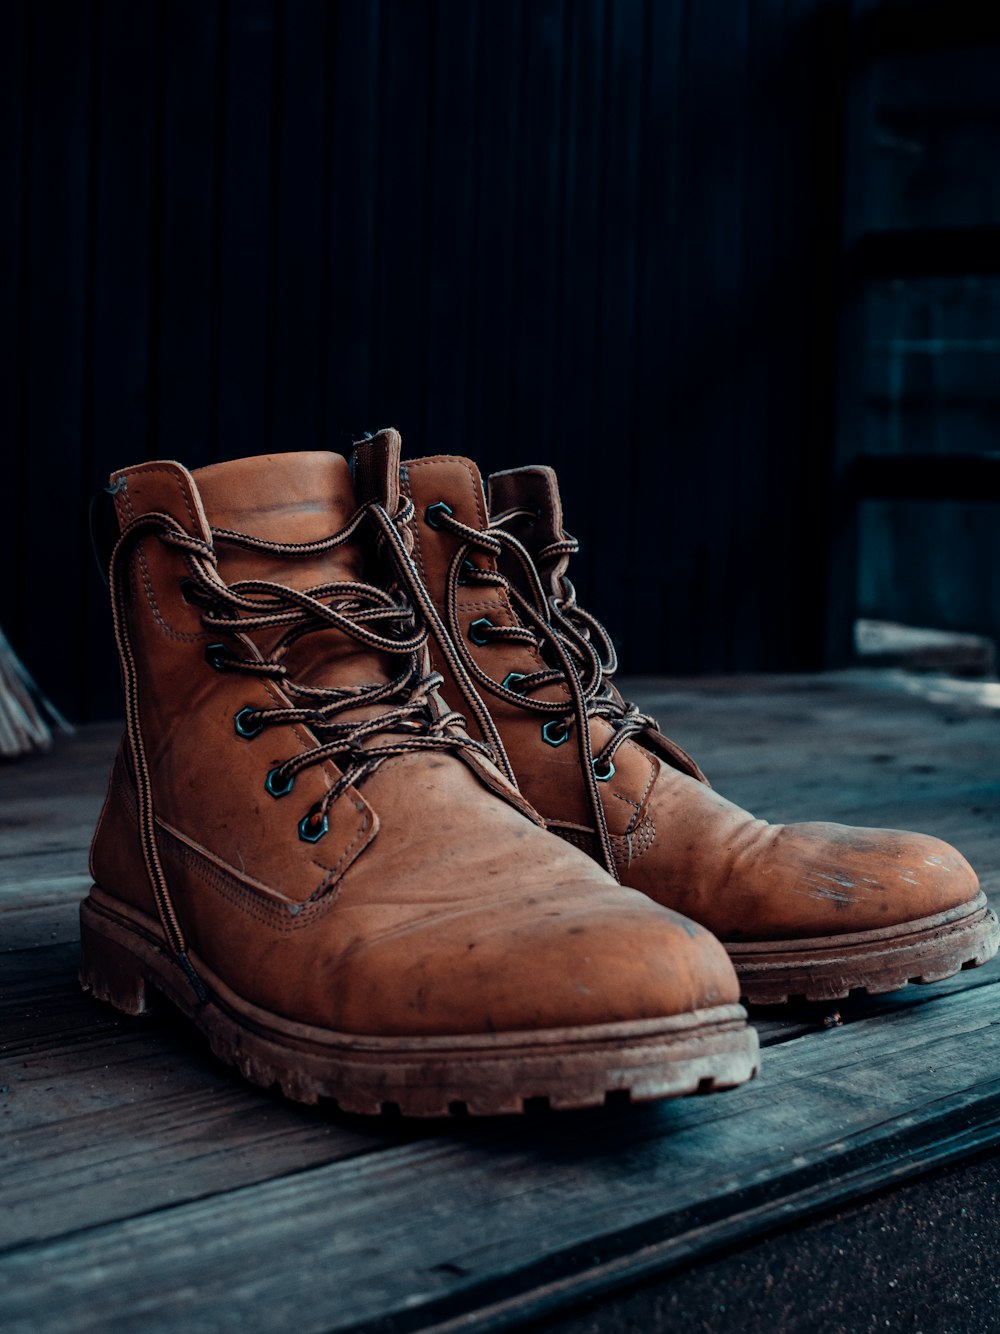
{"x":365,"y":831}
{"x":414,"y":527}
{"x":181,"y":635}
{"x":284,"y":920}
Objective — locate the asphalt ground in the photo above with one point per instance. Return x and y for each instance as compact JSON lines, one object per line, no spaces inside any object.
{"x":924,"y":1259}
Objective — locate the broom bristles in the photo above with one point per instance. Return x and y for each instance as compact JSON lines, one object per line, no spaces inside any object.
{"x":25,"y":713}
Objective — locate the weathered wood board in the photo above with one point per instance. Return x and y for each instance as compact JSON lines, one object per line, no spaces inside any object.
{"x":147,"y":1187}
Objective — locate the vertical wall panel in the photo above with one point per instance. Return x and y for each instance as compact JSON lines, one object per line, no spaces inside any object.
{"x":186,"y":261}
{"x":576,"y":367}
{"x":125,"y":161}
{"x":351,"y":249}
{"x":491,"y":327}
{"x":615,"y":405}
{"x":753,"y":487}
{"x":16,"y":70}
{"x":247,"y":165}
{"x":299,"y":188}
{"x":801,"y":330}
{"x":539,"y":222}
{"x":120,"y":391}
{"x":710,"y":192}
{"x":654,"y":591}
{"x":453,"y":132}
{"x":51,"y":541}
{"x":595,"y":233}
{"x":407,"y":169}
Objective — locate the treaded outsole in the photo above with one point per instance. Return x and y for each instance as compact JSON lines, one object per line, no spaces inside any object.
{"x":928,"y":950}
{"x":705,"y":1051}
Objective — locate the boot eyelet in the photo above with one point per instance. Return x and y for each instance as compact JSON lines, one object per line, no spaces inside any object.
{"x":311,"y":830}
{"x":274,"y":786}
{"x":464,"y":570}
{"x":554,"y":732}
{"x":510,"y":682}
{"x":216,"y":655}
{"x":476,"y":630}
{"x":603,"y":770}
{"x":188,"y":591}
{"x":433,"y":513}
{"x":244,"y":727}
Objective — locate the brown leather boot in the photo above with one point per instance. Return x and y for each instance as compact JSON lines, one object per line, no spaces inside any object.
{"x":307,"y":854}
{"x":812,"y":910}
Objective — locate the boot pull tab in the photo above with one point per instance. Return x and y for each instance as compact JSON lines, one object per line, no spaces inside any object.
{"x":374,"y":464}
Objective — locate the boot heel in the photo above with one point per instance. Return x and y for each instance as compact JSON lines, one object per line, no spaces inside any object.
{"x":110,"y":971}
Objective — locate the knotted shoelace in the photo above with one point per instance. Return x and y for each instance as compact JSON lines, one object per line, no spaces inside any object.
{"x":405,"y":719}
{"x":582,"y":656}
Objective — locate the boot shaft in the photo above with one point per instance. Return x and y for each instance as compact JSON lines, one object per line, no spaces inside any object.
{"x":192,"y":623}
{"x":543,"y":670}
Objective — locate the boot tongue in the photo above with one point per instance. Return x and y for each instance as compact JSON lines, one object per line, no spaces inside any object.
{"x":293,"y":498}
{"x":536,"y":489}
{"x":289,"y":498}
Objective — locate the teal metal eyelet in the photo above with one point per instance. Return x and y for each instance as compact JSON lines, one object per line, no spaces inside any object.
{"x":433,"y":513}
{"x":466,"y":568}
{"x":274,"y":786}
{"x":244,"y":727}
{"x":216,"y":656}
{"x":551,"y":732}
{"x":476,"y":630}
{"x":510,"y":682}
{"x":312,"y":830}
{"x":602,"y":772}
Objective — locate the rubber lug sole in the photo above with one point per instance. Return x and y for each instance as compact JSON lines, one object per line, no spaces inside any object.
{"x":831,"y":967}
{"x":709,"y":1050}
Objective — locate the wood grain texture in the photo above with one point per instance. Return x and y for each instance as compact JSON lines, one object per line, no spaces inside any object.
{"x":510,"y":1205}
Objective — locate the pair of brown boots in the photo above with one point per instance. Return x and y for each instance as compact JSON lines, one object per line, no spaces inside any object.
{"x":361,"y":702}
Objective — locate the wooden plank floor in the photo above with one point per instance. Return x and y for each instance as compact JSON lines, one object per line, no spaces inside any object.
{"x":147,"y":1187}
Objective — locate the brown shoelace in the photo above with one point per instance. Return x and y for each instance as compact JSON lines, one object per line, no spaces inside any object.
{"x":405,"y":718}
{"x":574,"y":642}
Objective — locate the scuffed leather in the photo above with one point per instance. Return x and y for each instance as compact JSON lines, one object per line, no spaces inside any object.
{"x":549,"y":776}
{"x":675,"y":839}
{"x":746,"y":879}
{"x":434,"y":905}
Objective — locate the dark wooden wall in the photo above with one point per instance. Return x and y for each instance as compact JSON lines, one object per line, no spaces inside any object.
{"x":596,"y":233}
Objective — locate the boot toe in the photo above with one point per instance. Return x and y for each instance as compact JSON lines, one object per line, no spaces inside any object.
{"x":827,"y":879}
{"x":614,"y":958}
